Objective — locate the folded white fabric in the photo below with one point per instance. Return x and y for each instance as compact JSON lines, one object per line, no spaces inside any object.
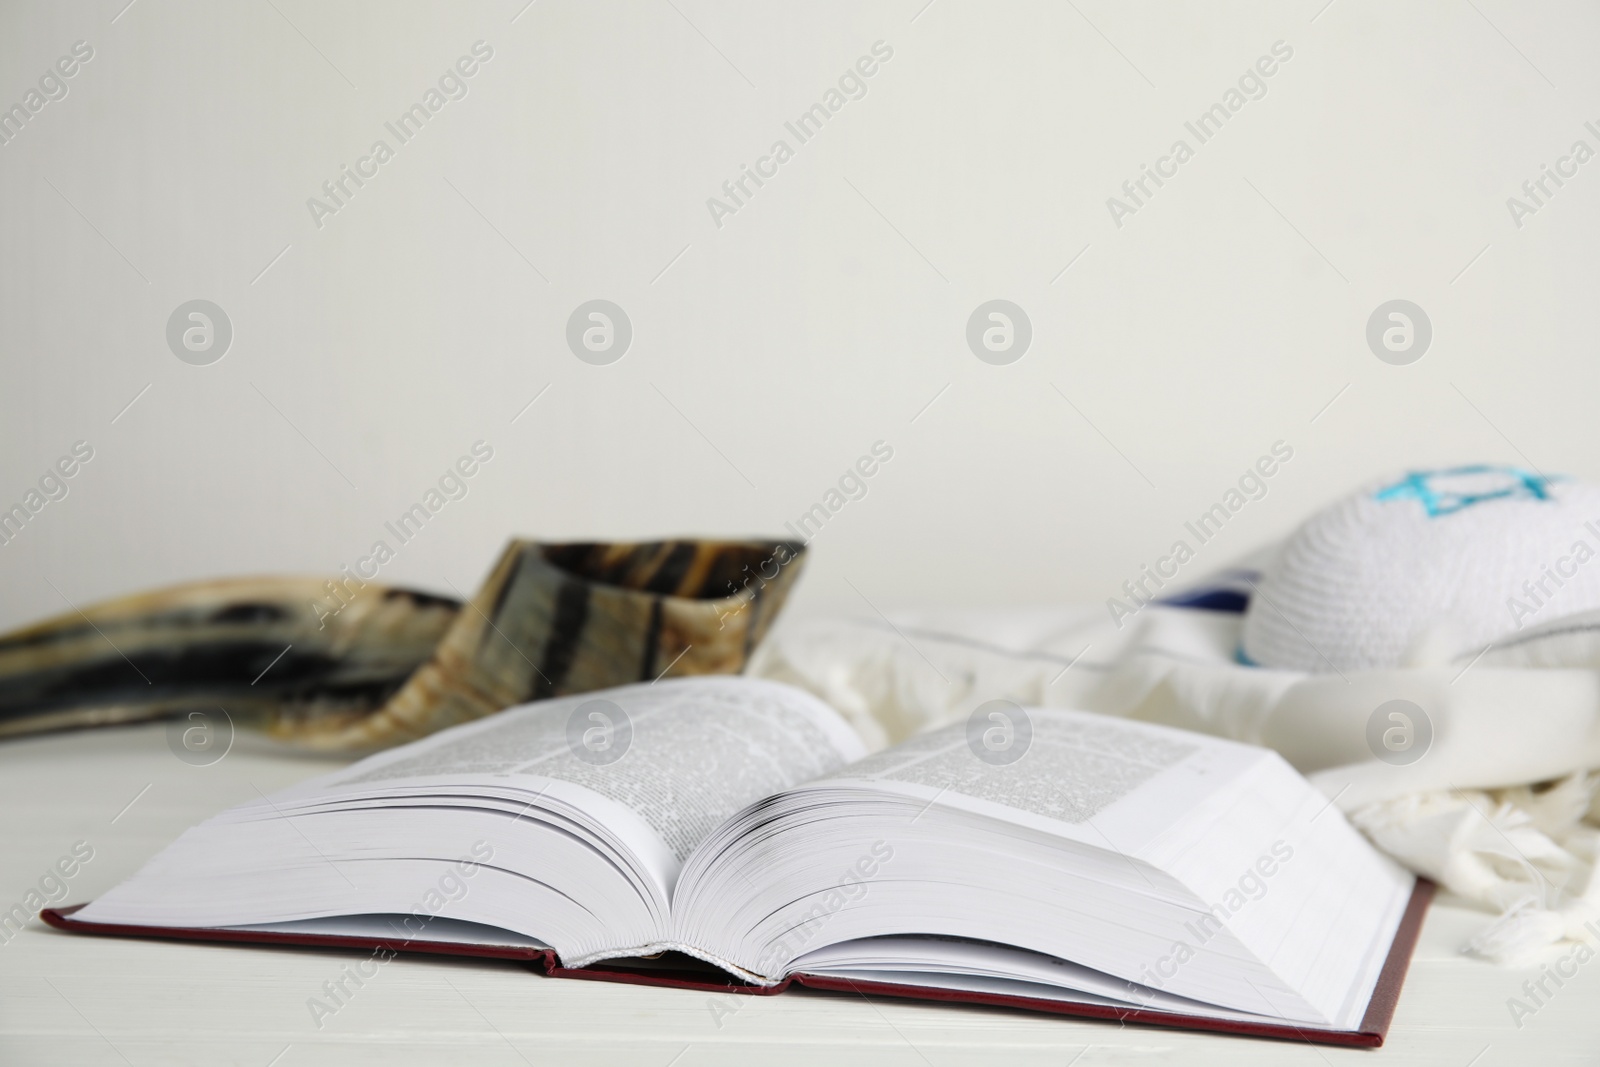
{"x":1480,"y":782}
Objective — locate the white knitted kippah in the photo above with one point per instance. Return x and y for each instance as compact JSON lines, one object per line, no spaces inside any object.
{"x":1431,"y":566}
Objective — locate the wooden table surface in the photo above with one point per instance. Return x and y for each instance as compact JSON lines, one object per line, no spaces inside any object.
{"x":77,"y":1000}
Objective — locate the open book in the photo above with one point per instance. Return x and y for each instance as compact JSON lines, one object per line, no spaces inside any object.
{"x":1044,"y":858}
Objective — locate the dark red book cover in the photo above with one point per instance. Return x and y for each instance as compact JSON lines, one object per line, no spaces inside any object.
{"x":686,"y":973}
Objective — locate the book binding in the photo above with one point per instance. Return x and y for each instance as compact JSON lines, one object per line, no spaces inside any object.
{"x":692,"y":975}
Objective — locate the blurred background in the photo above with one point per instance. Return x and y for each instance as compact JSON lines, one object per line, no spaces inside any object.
{"x":360,"y":338}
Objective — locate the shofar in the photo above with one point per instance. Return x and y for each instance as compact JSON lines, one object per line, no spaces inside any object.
{"x":394,"y":664}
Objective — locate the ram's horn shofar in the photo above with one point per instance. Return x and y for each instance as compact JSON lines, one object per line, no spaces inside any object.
{"x":393,"y":664}
{"x":210,"y":644}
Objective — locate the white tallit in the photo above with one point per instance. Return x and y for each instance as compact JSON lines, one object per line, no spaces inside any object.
{"x":1500,"y":808}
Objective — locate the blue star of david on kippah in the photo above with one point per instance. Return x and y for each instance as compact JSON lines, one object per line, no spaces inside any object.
{"x":1439,"y":500}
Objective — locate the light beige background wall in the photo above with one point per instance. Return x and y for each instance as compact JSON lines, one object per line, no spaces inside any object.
{"x":772,"y":351}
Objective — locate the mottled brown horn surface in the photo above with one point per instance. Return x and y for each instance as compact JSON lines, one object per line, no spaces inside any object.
{"x":253,"y":646}
{"x":395,"y":664}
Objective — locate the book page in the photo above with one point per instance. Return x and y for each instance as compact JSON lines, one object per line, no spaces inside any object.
{"x":682,"y":755}
{"x":1074,"y":769}
{"x":1071,"y":771}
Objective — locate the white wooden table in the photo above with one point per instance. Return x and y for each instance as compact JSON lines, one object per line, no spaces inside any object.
{"x":77,"y":1000}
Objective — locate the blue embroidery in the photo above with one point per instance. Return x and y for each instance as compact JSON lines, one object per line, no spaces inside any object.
{"x":1443,"y":501}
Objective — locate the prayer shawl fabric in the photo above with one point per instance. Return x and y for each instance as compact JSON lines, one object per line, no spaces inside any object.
{"x":1498,"y":804}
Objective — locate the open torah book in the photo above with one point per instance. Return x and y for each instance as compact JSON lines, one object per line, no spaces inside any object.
{"x":727,"y":833}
